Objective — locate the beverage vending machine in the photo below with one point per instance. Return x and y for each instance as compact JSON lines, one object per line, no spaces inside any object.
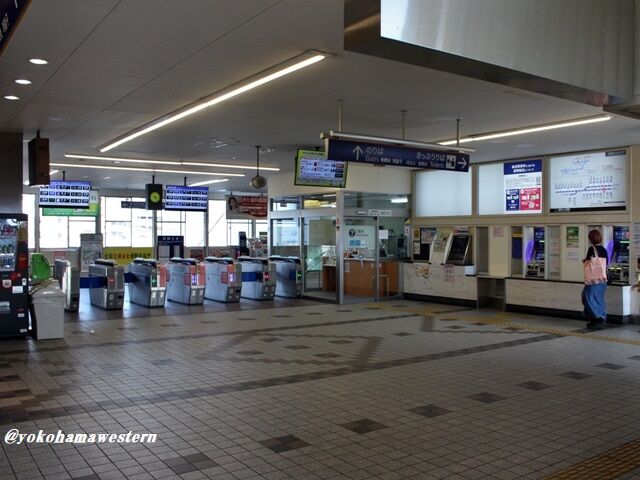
{"x":14,"y":275}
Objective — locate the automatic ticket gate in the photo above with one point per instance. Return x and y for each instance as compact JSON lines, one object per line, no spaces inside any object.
{"x":185,"y":281}
{"x":288,"y":276}
{"x":107,"y":284}
{"x":223,"y":279}
{"x":148,"y":283}
{"x":69,"y":280}
{"x":258,"y":278}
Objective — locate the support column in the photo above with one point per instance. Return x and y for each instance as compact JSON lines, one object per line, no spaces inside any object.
{"x":11,"y":178}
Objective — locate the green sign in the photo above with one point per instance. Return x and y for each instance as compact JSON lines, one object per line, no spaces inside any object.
{"x":92,"y":211}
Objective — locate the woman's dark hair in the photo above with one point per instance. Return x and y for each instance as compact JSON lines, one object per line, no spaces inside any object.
{"x":595,"y":237}
{"x":234,"y":201}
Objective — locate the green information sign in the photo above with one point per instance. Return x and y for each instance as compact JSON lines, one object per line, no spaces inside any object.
{"x":92,"y":211}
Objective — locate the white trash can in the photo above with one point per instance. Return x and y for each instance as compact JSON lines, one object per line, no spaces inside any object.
{"x":48,"y":307}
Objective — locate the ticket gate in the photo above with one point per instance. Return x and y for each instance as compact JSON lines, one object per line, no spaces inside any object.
{"x":258,"y":278}
{"x":69,"y":281}
{"x":223,"y":279}
{"x":107,"y":284}
{"x":288,"y":276}
{"x":185,"y":281}
{"x":148,"y":283}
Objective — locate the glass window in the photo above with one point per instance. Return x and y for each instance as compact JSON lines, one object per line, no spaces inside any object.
{"x":142,"y":227}
{"x":54,"y":232}
{"x":194,"y":229}
{"x":261,"y":226}
{"x":78,"y":225}
{"x":29,"y":207}
{"x":285,"y":232}
{"x":491,"y":196}
{"x":237,"y":226}
{"x":218,"y":223}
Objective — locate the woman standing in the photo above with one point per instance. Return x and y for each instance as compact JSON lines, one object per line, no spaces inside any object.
{"x":595,"y":282}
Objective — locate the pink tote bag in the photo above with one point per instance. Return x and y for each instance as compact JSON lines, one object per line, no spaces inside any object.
{"x":595,"y":269}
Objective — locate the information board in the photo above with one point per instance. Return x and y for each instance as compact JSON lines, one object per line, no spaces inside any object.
{"x":588,"y":181}
{"x":523,"y":186}
{"x":92,"y":211}
{"x":314,"y":170}
{"x":179,"y":197}
{"x":63,"y":194}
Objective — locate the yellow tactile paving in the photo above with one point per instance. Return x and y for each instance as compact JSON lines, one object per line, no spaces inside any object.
{"x":502,"y":319}
{"x":609,"y":465}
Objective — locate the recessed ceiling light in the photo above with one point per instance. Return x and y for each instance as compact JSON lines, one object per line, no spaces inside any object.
{"x":22,"y":81}
{"x":11,"y":97}
{"x":38,"y":61}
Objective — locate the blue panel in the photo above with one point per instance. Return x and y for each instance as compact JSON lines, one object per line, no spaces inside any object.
{"x":249,"y":276}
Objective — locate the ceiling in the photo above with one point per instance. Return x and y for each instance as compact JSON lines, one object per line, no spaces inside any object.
{"x":118,"y":64}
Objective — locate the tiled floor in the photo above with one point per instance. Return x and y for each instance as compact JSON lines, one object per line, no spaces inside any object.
{"x":318,"y":391}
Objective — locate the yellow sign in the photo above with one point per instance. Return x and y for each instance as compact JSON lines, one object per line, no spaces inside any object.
{"x":124,"y":255}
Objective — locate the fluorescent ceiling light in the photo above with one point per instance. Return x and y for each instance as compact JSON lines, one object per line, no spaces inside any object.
{"x":267,"y":76}
{"x":22,"y":81}
{"x":532,"y":129}
{"x":400,"y":200}
{"x":38,"y":61}
{"x":140,"y":169}
{"x":11,"y":97}
{"x":169,"y":162}
{"x":208,"y":182}
{"x":330,"y":195}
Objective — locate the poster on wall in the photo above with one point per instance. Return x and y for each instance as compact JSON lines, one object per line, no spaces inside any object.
{"x":588,"y":182}
{"x":441,"y":239}
{"x":359,"y":236}
{"x":124,"y":255}
{"x":90,"y":249}
{"x":573,"y":237}
{"x":427,"y":234}
{"x":523,"y":186}
{"x":244,"y":207}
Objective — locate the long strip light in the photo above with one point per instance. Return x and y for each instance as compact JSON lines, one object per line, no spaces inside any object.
{"x":532,"y":129}
{"x":141,"y":169}
{"x":208,"y":182}
{"x":267,"y":76}
{"x":168,"y":162}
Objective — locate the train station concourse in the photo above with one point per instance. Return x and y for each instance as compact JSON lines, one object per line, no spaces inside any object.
{"x":319,"y":239}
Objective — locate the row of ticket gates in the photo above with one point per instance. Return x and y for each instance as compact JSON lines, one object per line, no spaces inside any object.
{"x":182,"y":280}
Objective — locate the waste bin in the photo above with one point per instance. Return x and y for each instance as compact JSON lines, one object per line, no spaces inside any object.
{"x":48,"y":311}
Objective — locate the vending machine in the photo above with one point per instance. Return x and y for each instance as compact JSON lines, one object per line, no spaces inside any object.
{"x":14,"y":274}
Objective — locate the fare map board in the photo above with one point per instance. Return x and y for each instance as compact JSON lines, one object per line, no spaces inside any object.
{"x":523,"y":186}
{"x":588,"y":181}
{"x":179,"y":197}
{"x":63,"y":194}
{"x":314,"y":170}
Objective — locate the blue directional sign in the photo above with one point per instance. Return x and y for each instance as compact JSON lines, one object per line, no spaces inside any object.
{"x":380,"y":154}
{"x":10,"y":13}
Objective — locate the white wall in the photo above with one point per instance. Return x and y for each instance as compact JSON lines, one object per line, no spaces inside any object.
{"x":499,"y":238}
{"x":360,"y":178}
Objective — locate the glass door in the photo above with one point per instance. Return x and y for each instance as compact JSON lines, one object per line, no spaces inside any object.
{"x":285,"y":237}
{"x":360,"y":258}
{"x":319,"y":257}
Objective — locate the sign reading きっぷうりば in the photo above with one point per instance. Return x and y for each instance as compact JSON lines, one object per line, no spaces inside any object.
{"x":523,"y":187}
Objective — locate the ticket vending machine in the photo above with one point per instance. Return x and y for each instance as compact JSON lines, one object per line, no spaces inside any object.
{"x":459,"y":250}
{"x":288,"y":276}
{"x":148,"y":284}
{"x":107,"y":284}
{"x":69,"y":280}
{"x":534,"y":251}
{"x":185,"y":281}
{"x":618,"y":249}
{"x":258,"y":278}
{"x":223,"y":279}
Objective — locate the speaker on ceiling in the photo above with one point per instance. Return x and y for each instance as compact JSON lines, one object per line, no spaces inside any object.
{"x":153,"y":196}
{"x":39,"y":161}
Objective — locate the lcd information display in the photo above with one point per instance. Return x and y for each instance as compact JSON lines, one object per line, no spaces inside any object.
{"x":64,"y":194}
{"x":314,"y":170}
{"x":179,"y":197}
{"x":588,"y":181}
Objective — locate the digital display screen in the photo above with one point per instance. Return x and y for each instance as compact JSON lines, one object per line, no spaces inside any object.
{"x":539,"y":255}
{"x":458,"y":249}
{"x":179,"y":197}
{"x":64,"y":194}
{"x":622,"y":258}
{"x":588,"y":182}
{"x":314,"y":170}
